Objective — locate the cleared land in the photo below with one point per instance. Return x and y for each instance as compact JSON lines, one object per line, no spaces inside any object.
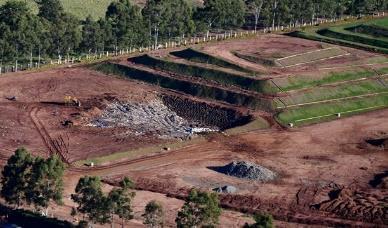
{"x":153,"y":117}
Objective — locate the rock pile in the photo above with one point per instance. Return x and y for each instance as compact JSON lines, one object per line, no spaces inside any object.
{"x":247,"y":170}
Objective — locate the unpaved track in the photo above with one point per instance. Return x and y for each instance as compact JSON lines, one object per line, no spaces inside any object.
{"x":292,"y":153}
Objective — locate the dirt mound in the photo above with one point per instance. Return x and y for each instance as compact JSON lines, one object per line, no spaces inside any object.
{"x":345,"y":202}
{"x":358,"y":204}
{"x":247,"y":170}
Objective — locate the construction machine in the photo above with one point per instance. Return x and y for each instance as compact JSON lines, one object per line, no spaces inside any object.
{"x":72,"y":101}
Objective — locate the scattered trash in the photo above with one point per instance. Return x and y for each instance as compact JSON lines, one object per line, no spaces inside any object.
{"x":12,"y":98}
{"x":147,"y":118}
{"x":225,"y":189}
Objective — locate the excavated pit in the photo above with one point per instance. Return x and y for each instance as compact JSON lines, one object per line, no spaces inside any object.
{"x":168,"y":117}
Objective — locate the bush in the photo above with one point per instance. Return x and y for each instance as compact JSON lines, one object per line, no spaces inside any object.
{"x":27,"y":219}
{"x":261,"y":221}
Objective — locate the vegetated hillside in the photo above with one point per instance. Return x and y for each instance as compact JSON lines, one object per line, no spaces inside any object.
{"x":370,"y":35}
{"x":83,"y":8}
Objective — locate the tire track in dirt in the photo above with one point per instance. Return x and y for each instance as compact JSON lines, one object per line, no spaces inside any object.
{"x":125,"y":163}
{"x":52,"y":147}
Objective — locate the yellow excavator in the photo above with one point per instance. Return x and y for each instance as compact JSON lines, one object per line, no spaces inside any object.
{"x":69,"y":100}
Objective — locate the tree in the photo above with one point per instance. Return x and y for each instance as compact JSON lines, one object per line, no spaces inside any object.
{"x":91,"y":200}
{"x":46,"y":182}
{"x":64,"y":33}
{"x":15,"y":177}
{"x":261,"y":221}
{"x":200,"y":209}
{"x":50,"y":10}
{"x":99,"y":207}
{"x":121,"y":200}
{"x":223,"y":14}
{"x":154,"y":214}
{"x":168,"y":18}
{"x":92,"y":36}
{"x":255,"y":7}
{"x":127,"y":24}
{"x":21,"y":30}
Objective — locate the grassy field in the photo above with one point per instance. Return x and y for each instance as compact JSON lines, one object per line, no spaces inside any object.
{"x":336,"y":92}
{"x":323,"y":112}
{"x":83,"y":8}
{"x":381,"y":22}
{"x":308,"y":81}
{"x":79,"y":8}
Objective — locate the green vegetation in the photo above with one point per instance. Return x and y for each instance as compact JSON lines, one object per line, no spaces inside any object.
{"x":342,"y":34}
{"x":79,"y":8}
{"x":257,"y":124}
{"x":201,"y":209}
{"x":261,"y":221}
{"x":99,"y":207}
{"x":136,"y":153}
{"x":202,"y":57}
{"x":300,"y":82}
{"x":366,"y":34}
{"x":48,"y":29}
{"x":25,"y":218}
{"x":224,"y":78}
{"x":380,"y":22}
{"x":154,"y":214}
{"x":190,"y":88}
{"x":316,"y":100}
{"x":327,"y":111}
{"x":340,"y":91}
{"x":32,"y":180}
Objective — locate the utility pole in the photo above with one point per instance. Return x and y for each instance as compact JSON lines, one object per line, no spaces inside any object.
{"x":16,"y":62}
{"x":31,"y":58}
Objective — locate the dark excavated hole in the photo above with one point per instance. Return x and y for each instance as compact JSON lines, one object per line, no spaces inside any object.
{"x":380,"y":142}
{"x":378,"y":179}
{"x":206,"y":114}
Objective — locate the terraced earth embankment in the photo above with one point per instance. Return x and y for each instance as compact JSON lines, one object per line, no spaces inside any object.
{"x":369,"y":35}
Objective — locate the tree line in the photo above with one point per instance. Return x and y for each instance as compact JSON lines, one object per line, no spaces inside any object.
{"x":38,"y":182}
{"x":54,"y":33}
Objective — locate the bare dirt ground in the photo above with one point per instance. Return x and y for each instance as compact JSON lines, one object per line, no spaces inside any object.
{"x":39,"y":101}
{"x":278,"y":46}
{"x":314,"y":162}
{"x":328,"y":174}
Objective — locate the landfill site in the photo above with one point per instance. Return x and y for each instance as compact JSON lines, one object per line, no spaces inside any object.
{"x":171,"y":122}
